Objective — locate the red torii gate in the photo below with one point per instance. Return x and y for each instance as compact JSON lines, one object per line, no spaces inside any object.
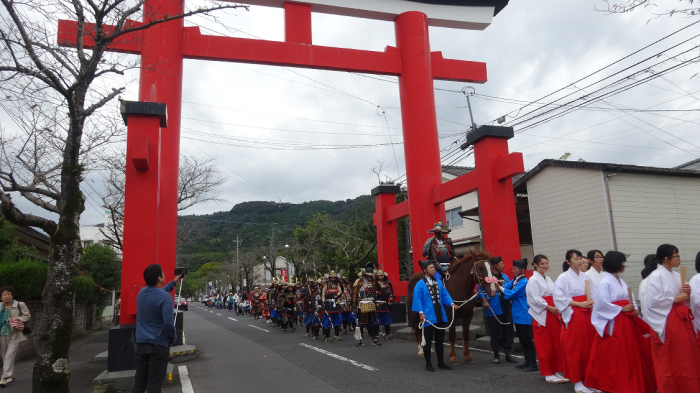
{"x":153,"y":137}
{"x":492,"y":178}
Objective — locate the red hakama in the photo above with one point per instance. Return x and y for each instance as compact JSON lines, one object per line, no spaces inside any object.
{"x":677,"y":359}
{"x":548,"y":343}
{"x":577,"y":342}
{"x":622,"y":363}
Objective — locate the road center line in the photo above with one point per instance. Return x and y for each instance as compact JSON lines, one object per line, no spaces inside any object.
{"x":259,"y":328}
{"x":233,"y":319}
{"x":218,"y":314}
{"x":185,"y":380}
{"x":331,"y":354}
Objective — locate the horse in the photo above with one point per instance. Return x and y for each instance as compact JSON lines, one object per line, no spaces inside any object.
{"x":460,"y":281}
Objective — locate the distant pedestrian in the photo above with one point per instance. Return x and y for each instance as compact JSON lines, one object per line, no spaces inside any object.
{"x":13,"y":315}
{"x":155,"y":330}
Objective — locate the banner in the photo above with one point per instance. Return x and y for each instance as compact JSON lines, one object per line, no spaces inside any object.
{"x":283,"y":273}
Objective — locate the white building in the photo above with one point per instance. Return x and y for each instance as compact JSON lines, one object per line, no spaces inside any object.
{"x":90,"y":235}
{"x":628,"y":208}
{"x":262,"y":275}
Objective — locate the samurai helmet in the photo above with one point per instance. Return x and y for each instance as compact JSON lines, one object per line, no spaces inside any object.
{"x":440,"y":227}
{"x":368,"y":270}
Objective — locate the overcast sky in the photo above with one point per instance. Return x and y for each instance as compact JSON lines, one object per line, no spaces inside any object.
{"x":533,"y":48}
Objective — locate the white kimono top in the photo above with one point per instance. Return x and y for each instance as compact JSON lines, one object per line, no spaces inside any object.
{"x":662,"y":287}
{"x":695,"y":300}
{"x":642,"y":292}
{"x":595,"y":276}
{"x":567,"y":286}
{"x":604,"y":311}
{"x":537,"y":288}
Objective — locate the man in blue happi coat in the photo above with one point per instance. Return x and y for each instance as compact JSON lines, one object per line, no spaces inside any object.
{"x":429,"y":299}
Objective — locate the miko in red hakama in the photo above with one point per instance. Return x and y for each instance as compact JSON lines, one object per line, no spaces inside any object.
{"x":622,"y":362}
{"x":548,"y":343}
{"x":677,"y":358}
{"x":577,"y":342}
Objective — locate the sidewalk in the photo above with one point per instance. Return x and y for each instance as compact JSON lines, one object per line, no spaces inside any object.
{"x":83,"y":370}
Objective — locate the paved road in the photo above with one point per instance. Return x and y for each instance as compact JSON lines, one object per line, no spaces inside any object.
{"x":250,"y":356}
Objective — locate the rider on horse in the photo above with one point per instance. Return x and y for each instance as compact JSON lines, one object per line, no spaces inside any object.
{"x":438,"y":249}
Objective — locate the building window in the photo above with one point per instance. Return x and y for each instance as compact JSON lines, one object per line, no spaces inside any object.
{"x":453,"y":217}
{"x":87,"y":243}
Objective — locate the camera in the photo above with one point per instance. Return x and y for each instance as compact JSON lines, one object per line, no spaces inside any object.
{"x":180,"y":271}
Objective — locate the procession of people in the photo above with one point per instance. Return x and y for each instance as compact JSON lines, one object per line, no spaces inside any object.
{"x":584,"y":328}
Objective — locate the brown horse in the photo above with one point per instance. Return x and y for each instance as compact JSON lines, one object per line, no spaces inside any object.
{"x":461,"y":280}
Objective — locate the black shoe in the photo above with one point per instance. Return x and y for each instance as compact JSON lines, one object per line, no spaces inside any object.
{"x":444,"y":366}
{"x":509,"y":358}
{"x":360,"y":344}
{"x":496,"y":358}
{"x":429,"y":367}
{"x":523,"y":365}
{"x":531,"y":356}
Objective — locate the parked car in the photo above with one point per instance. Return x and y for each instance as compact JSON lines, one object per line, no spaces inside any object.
{"x":181,"y":304}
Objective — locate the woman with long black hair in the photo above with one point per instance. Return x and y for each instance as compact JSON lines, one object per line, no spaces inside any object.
{"x":577,"y":333}
{"x":621,"y":357}
{"x":649,"y":266}
{"x":545,"y":324}
{"x":674,"y":346}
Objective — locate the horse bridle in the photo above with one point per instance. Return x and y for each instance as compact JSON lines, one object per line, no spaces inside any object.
{"x":476,"y":276}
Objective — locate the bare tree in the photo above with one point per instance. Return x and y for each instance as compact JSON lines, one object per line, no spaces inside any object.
{"x":354,"y":242}
{"x":199,"y":180}
{"x":62,"y":102}
{"x":624,"y":6}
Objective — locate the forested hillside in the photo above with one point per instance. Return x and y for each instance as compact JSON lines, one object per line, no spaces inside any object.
{"x":212,"y":238}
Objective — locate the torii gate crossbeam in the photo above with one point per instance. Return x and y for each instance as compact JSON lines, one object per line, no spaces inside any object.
{"x":163,"y":47}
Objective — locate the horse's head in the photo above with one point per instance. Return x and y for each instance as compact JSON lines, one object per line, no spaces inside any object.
{"x":483,"y":272}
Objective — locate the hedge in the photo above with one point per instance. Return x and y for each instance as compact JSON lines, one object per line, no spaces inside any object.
{"x":28,"y":278}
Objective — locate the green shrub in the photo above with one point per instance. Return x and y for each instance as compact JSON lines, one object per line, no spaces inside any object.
{"x":28,"y":278}
{"x":84,"y":289}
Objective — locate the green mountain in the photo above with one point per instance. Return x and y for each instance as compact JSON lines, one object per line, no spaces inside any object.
{"x":212,"y":237}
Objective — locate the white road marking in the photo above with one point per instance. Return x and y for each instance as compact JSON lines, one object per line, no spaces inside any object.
{"x":259,"y":328}
{"x":331,"y":354}
{"x":218,"y":314}
{"x":482,"y":350}
{"x":185,"y":380}
{"x":233,"y":319}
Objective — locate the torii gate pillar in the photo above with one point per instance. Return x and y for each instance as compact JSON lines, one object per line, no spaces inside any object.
{"x":492,"y":178}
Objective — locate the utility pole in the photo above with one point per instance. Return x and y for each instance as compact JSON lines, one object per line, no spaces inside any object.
{"x":273,"y":261}
{"x":238,"y":263}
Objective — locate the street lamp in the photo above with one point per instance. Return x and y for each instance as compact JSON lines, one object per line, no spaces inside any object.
{"x":286,"y":258}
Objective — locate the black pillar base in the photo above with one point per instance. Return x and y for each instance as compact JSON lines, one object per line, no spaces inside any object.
{"x":122,"y":348}
{"x":179,"y":327}
{"x":398,"y":313}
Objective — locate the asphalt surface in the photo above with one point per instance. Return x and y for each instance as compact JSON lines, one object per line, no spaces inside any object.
{"x":235,"y":356}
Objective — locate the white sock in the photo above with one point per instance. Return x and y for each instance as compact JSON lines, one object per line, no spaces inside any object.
{"x":560,"y":375}
{"x":550,"y":378}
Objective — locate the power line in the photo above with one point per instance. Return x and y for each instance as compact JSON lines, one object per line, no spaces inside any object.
{"x":610,"y":65}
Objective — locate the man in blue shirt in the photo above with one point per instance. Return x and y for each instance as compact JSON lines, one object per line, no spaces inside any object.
{"x":429,"y":299}
{"x":155,"y":330}
{"x":515,"y":292}
{"x":498,"y":318}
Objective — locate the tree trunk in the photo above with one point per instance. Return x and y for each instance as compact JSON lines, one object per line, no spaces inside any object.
{"x":51,"y":370}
